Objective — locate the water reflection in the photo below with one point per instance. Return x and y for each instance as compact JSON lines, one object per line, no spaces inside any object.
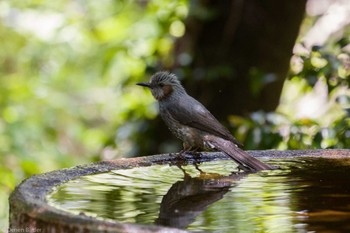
{"x":324,"y":197}
{"x":188,"y":198}
{"x":307,"y":194}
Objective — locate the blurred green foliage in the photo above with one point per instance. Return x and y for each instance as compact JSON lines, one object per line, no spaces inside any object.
{"x":314,"y":110}
{"x":67,"y":93}
{"x":67,"y":71}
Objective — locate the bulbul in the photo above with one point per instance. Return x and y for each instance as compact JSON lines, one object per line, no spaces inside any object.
{"x":191,"y":122}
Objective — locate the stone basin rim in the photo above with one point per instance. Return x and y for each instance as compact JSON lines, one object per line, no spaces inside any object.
{"x":29,"y":207}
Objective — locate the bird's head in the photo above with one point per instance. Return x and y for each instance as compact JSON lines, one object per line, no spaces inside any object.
{"x":163,"y":84}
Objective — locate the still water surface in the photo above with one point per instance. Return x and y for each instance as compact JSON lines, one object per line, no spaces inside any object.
{"x":307,"y":194}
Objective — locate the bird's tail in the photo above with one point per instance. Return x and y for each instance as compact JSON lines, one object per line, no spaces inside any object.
{"x":246,"y":162}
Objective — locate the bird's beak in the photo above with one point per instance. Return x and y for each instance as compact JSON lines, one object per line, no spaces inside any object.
{"x":144,"y":84}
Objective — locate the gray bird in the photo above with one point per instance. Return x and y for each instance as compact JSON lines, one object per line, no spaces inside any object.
{"x":191,"y":122}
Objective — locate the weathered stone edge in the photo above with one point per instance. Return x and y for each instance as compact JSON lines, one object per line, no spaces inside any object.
{"x":29,"y":208}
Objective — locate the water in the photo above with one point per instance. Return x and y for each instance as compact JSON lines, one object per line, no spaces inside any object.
{"x":307,"y":194}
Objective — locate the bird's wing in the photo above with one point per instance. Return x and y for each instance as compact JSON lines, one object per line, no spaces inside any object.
{"x":197,"y":116}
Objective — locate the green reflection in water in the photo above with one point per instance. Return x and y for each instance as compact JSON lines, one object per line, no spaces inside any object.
{"x":305,"y":194}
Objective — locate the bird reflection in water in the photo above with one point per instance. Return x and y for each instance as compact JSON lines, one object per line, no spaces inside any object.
{"x":188,"y":198}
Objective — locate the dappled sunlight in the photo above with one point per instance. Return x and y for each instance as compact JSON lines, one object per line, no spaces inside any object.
{"x":334,"y":16}
{"x":314,"y":105}
{"x":68,"y":71}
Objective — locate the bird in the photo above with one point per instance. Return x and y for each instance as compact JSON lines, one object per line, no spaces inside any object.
{"x":193,"y":124}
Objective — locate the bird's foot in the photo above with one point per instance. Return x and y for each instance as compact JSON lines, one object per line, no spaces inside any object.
{"x":179,"y":156}
{"x":194,"y":153}
{"x":197,"y":167}
{"x":183,"y":170}
{"x":178,"y":160}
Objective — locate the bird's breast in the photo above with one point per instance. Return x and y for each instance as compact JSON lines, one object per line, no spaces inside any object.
{"x":189,"y":135}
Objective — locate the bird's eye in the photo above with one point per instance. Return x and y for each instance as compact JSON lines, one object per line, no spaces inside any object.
{"x":161,"y":84}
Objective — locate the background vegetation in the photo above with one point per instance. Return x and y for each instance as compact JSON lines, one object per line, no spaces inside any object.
{"x":68,"y":69}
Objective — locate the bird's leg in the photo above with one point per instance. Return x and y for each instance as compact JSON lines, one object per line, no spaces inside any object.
{"x":197,"y":167}
{"x":183,"y":152}
{"x":187,"y":149}
{"x":183,"y":170}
